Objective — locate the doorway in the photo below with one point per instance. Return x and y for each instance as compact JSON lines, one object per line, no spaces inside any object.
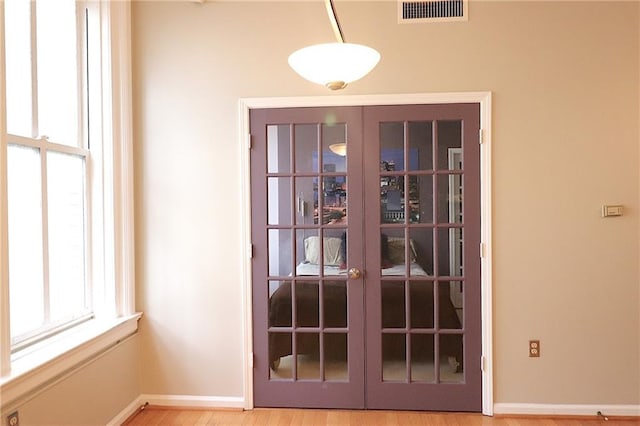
{"x":366,"y":273}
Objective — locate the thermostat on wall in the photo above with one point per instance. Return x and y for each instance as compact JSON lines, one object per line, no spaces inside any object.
{"x":611,"y":210}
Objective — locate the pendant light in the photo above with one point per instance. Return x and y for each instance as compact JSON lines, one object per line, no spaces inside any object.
{"x":334,"y":65}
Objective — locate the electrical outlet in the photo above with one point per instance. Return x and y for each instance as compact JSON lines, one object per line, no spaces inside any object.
{"x":13,"y":420}
{"x":534,"y":348}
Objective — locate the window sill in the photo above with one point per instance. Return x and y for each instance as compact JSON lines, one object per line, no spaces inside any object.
{"x":33,"y":367}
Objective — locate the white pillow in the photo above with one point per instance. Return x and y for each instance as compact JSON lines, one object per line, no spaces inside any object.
{"x":332,"y":255}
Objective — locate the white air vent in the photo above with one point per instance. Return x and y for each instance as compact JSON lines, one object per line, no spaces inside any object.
{"x":432,"y":11}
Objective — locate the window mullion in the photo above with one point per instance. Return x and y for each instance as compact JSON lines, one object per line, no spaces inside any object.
{"x":35,"y":128}
{"x":45,"y":234}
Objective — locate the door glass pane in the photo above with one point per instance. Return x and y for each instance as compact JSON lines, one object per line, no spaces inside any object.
{"x":307,"y":301}
{"x":451,"y":358}
{"x":422,"y":308}
{"x":306,"y":200}
{"x":279,"y":206}
{"x":420,"y":145}
{"x":394,"y":357}
{"x":334,"y":147}
{"x":392,"y":199}
{"x":306,"y":147}
{"x":26,"y":282}
{"x":280,"y":304}
{"x":335,"y":304}
{"x":57,"y":71}
{"x":449,"y":136}
{"x":421,"y":240}
{"x":456,"y":294}
{"x":308,"y":252}
{"x":449,"y":316}
{"x":308,"y":359}
{"x":450,"y":249}
{"x":280,"y":252}
{"x":422,"y":350}
{"x":66,"y":202}
{"x":393,"y":304}
{"x":334,"y":201}
{"x":392,"y":146}
{"x":450,"y":198}
{"x":335,"y":354}
{"x":278,"y":149}
{"x":421,"y":198}
{"x":18,"y":67}
{"x":279,"y":355}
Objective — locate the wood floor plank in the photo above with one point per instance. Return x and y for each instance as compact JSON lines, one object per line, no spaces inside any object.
{"x":302,"y":417}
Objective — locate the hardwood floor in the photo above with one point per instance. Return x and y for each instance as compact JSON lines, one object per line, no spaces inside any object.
{"x":298,"y":417}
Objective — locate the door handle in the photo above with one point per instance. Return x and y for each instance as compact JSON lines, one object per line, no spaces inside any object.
{"x":354,"y":273}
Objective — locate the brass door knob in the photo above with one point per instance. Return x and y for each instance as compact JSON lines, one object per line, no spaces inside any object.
{"x":355,"y":273}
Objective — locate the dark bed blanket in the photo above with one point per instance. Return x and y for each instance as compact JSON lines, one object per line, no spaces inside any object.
{"x":335,"y":302}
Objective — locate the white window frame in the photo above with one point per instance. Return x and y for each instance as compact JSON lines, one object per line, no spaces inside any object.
{"x":110,"y":222}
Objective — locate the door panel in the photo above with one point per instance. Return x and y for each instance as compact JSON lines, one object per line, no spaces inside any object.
{"x":422,"y":352}
{"x":405,"y":333}
{"x":308,"y":314}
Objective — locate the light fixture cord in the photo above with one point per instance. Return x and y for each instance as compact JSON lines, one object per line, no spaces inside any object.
{"x":331,"y":11}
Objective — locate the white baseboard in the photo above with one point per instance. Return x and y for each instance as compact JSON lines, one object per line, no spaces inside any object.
{"x":177,"y":401}
{"x":566,"y":409}
{"x":193,"y":401}
{"x":126,"y":413}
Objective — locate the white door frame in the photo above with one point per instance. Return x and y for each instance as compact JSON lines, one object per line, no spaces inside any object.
{"x":484,"y":99}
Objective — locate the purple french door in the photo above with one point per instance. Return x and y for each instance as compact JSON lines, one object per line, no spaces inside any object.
{"x":366,"y":268}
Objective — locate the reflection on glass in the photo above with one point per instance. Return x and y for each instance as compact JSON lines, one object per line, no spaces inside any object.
{"x":420,"y":145}
{"x":394,"y":358}
{"x":334,"y":147}
{"x":279,"y":201}
{"x":308,"y":359}
{"x":306,"y":147}
{"x":306,"y":200}
{"x":336,"y":358}
{"x":280,"y":252}
{"x":421,"y":199}
{"x":334,"y":200}
{"x":392,"y":146}
{"x":421,"y":303}
{"x":392,"y":199}
{"x":335,"y":304}
{"x":450,"y":198}
{"x":450,"y":251}
{"x":450,"y":305}
{"x":278,"y":149}
{"x":449,"y":140}
{"x":393,"y":304}
{"x":307,"y":309}
{"x":421,"y":240}
{"x":457,"y":293}
{"x":422,"y":350}
{"x":451,"y":358}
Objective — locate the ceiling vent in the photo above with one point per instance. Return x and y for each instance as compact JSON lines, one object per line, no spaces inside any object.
{"x":432,"y":11}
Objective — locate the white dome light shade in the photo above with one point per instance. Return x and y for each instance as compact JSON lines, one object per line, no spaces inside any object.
{"x":334,"y":64}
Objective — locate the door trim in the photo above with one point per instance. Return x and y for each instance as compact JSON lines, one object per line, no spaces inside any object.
{"x":244,"y":144}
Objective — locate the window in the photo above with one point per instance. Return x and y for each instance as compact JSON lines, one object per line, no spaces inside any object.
{"x":66,"y":253}
{"x":47,"y":157}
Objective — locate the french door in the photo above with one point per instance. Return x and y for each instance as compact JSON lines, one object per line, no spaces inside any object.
{"x":366,"y":263}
